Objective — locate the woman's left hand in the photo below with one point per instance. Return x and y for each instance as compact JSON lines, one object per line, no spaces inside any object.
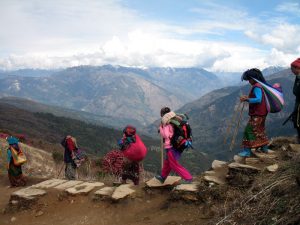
{"x":244,"y":98}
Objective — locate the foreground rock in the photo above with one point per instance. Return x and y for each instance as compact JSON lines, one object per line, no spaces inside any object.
{"x":170,"y":181}
{"x":122,"y":191}
{"x":104,"y":193}
{"x":241,"y":175}
{"x":49,"y":183}
{"x":218,"y":174}
{"x":84,"y":188}
{"x":24,"y":199}
{"x":28,"y":193}
{"x":186,"y":192}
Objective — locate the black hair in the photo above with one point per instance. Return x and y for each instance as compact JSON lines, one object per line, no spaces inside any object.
{"x":253,"y":73}
{"x":164,"y":111}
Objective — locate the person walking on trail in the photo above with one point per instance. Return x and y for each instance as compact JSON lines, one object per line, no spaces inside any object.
{"x":295,"y":67}
{"x":134,"y":152}
{"x":70,"y":145}
{"x":254,"y":134}
{"x":14,"y":169}
{"x":172,"y":155}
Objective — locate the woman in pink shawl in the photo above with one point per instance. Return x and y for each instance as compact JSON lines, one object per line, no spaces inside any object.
{"x":172,"y":155}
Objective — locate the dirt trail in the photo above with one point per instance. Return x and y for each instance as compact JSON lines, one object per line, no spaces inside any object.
{"x":147,"y":208}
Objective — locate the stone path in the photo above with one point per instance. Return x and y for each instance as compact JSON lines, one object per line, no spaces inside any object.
{"x":100,"y":191}
{"x":220,"y":173}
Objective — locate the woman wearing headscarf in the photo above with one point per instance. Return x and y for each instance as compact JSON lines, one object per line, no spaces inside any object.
{"x":254,"y":134}
{"x":134,"y":151}
{"x":15,"y":174}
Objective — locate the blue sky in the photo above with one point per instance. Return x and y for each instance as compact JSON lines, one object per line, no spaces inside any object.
{"x":216,"y":35}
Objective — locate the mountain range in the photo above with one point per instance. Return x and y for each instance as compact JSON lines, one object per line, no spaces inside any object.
{"x":84,"y":89}
{"x":129,"y":95}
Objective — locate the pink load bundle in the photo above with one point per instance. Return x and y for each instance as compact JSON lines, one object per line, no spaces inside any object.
{"x":136,"y":151}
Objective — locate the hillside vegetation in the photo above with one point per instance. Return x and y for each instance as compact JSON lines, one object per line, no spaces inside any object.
{"x":45,"y":131}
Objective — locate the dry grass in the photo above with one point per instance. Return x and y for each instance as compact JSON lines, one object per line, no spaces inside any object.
{"x":271,"y":199}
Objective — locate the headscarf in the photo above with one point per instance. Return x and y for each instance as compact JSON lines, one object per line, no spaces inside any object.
{"x":296,"y":63}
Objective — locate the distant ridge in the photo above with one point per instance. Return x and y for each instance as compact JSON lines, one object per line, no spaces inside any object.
{"x":128,"y":94}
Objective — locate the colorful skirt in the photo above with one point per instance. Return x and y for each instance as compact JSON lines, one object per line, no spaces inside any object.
{"x":131,"y":170}
{"x":16,"y":176}
{"x":255,"y":134}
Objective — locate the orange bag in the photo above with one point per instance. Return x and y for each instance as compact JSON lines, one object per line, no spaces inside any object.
{"x":19,"y":158}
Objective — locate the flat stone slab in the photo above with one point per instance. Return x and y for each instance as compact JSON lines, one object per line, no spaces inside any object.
{"x":214,"y":179}
{"x":68,"y":184}
{"x":239,"y":159}
{"x":273,"y":168}
{"x":210,"y":173}
{"x":29,"y":193}
{"x":251,"y":160}
{"x":193,"y":187}
{"x":122,"y":191}
{"x":217,"y":164}
{"x":294,"y":147}
{"x":105,"y":192}
{"x":170,"y":181}
{"x":49,"y":183}
{"x":235,"y":165}
{"x":84,"y":188}
{"x":270,"y":155}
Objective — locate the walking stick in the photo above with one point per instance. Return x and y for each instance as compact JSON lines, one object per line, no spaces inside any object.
{"x":162,"y":151}
{"x":60,"y":170}
{"x":236,"y":128}
{"x":234,"y":117}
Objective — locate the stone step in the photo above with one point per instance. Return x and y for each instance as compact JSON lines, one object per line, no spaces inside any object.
{"x":49,"y":183}
{"x":294,"y":148}
{"x":240,"y":166}
{"x":239,"y":159}
{"x":170,"y":181}
{"x":215,"y":179}
{"x":68,"y":184}
{"x":83,"y":188}
{"x":29,"y":193}
{"x":122,"y":191}
{"x":217,"y":164}
{"x":218,"y":174}
{"x":186,"y":192}
{"x":265,"y":156}
{"x":104,"y":193}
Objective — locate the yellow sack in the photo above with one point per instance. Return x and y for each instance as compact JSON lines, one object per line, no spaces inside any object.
{"x":19,"y":158}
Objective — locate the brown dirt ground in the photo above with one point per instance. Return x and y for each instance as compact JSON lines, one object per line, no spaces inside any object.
{"x":146,"y":209}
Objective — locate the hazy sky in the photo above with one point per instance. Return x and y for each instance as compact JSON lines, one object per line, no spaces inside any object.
{"x":218,"y":35}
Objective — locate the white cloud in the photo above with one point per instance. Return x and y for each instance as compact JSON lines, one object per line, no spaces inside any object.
{"x":283,"y":37}
{"x":289,"y":7}
{"x":47,"y":34}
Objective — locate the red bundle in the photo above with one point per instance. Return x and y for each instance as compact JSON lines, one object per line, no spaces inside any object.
{"x":113,"y":162}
